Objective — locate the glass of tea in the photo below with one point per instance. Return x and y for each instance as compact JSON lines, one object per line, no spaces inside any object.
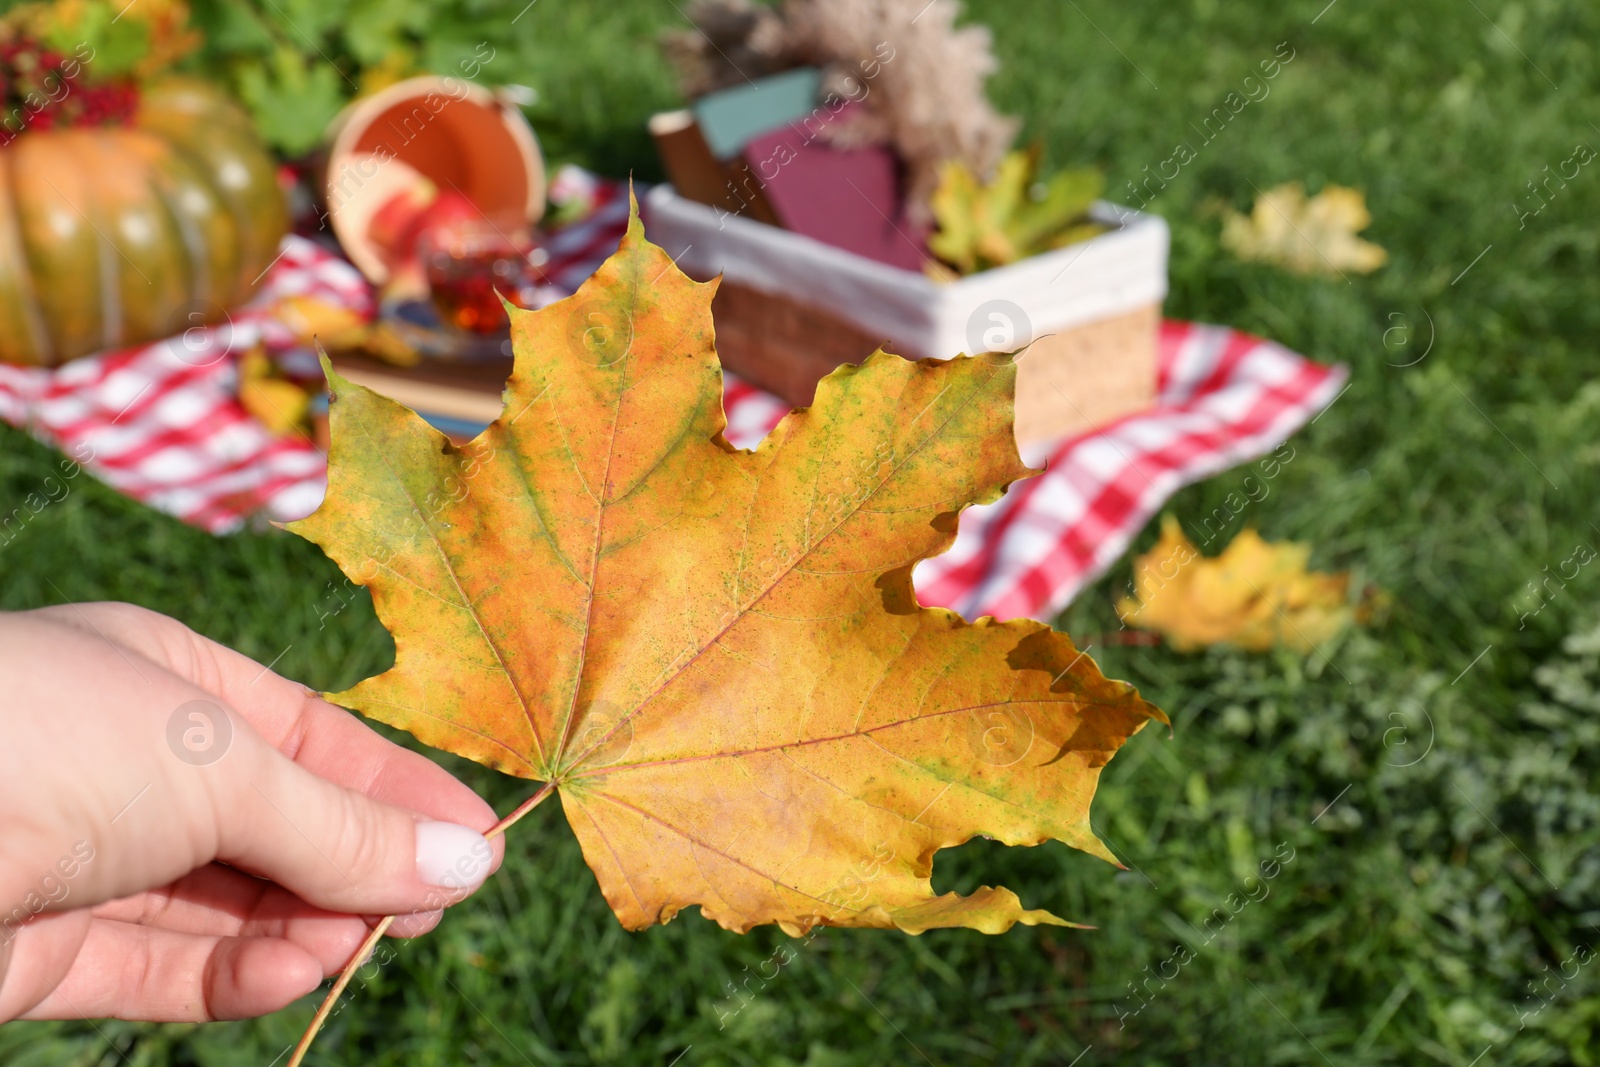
{"x":471,"y":263}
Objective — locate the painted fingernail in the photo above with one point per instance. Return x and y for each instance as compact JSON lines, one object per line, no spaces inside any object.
{"x":451,"y":856}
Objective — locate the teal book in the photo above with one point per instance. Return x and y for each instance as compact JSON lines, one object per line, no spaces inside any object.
{"x":729,"y":118}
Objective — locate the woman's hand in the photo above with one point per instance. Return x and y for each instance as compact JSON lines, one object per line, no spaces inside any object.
{"x":185,"y":835}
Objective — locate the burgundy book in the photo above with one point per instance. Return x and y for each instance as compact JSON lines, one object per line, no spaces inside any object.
{"x":846,"y":197}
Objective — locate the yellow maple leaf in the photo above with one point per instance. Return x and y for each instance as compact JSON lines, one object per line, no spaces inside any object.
{"x":715,"y":657}
{"x":1255,"y":595}
{"x":315,"y":319}
{"x":336,"y":328}
{"x":279,"y":405}
{"x":1307,"y":236}
{"x":1014,"y":215}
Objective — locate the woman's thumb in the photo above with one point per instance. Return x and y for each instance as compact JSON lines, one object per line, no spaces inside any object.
{"x":336,"y":848}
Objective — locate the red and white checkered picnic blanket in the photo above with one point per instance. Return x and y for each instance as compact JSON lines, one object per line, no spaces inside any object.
{"x":162,"y":423}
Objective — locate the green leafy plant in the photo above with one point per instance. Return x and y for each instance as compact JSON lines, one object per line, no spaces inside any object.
{"x":77,"y":63}
{"x":296,"y":63}
{"x":121,"y":40}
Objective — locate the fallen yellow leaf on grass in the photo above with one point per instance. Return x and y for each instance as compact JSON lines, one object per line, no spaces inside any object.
{"x":1256,"y":594}
{"x":1307,"y":236}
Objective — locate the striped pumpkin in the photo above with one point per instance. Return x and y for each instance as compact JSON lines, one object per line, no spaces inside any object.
{"x":116,"y":236}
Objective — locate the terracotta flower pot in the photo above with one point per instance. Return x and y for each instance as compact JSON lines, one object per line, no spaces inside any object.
{"x":400,"y":149}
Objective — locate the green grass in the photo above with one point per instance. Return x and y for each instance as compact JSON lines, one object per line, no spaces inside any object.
{"x":1460,"y":863}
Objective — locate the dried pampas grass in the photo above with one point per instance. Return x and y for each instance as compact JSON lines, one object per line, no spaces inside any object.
{"x":918,"y":78}
{"x":733,"y":42}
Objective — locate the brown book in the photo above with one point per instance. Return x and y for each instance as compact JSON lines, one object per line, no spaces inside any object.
{"x":700,"y":176}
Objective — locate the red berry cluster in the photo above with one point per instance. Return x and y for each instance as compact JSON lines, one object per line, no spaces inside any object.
{"x":42,"y":89}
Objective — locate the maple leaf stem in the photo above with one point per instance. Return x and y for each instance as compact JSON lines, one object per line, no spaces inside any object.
{"x":382,"y":928}
{"x":332,"y":998}
{"x":526,"y":806}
